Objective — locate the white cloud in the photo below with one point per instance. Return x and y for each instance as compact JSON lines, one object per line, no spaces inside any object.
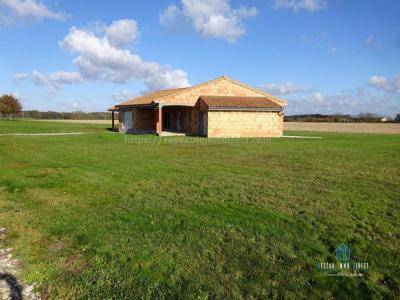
{"x":369,"y":40}
{"x":371,"y":44}
{"x":63,"y":77}
{"x":171,"y":16}
{"x":100,"y":59}
{"x":283,"y":89}
{"x":30,"y":10}
{"x":347,"y":102}
{"x":167,"y":79}
{"x":39,"y":78}
{"x":210,"y":18}
{"x":384,"y":84}
{"x":54,"y":81}
{"x":122,"y":96}
{"x":297,"y":5}
{"x":20,"y":76}
{"x":122,"y":33}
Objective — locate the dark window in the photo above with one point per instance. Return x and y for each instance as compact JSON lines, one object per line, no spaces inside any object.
{"x":166,"y":120}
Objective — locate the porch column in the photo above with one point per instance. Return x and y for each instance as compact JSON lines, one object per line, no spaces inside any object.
{"x":112,"y":118}
{"x":158,"y":118}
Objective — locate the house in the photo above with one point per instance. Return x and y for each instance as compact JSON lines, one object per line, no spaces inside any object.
{"x":218,"y":108}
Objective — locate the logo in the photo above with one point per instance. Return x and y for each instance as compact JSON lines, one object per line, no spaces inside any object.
{"x":343,"y":252}
{"x":344,"y":265}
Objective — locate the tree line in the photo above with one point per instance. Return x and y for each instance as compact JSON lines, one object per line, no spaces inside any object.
{"x":342,"y":118}
{"x":10,"y":108}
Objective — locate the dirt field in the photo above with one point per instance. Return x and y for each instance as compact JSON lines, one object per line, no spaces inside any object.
{"x":387,"y":128}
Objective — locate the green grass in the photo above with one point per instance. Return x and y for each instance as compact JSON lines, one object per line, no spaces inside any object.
{"x":17,"y":126}
{"x":92,"y":217}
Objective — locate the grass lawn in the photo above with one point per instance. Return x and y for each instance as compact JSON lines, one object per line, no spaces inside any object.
{"x":17,"y":126}
{"x":92,"y":217}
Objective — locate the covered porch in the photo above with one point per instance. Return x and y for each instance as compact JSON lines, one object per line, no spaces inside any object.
{"x":163,"y":120}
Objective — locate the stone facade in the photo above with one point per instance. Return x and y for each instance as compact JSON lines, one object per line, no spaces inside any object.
{"x":244,"y":124}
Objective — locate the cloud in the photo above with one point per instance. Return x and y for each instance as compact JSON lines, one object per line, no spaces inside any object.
{"x":167,"y":79}
{"x":26,"y":10}
{"x":20,"y":76}
{"x":303,"y":100}
{"x":103,"y":56}
{"x":122,"y":33}
{"x":39,"y":78}
{"x":210,"y":18}
{"x":371,"y":44}
{"x":347,"y":102}
{"x":283,"y":89}
{"x":122,"y":96}
{"x":384,"y":84}
{"x":318,"y":39}
{"x":369,"y":41}
{"x":63,"y":77}
{"x":297,"y":5}
{"x":171,"y":16}
{"x":54,"y":81}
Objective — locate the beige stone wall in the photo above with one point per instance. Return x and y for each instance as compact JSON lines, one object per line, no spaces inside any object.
{"x":244,"y":124}
{"x":221,"y":87}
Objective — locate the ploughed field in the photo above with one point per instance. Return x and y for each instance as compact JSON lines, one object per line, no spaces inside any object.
{"x":89,"y":216}
{"x":382,"y":128}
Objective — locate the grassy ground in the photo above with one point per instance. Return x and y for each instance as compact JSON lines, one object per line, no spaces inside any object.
{"x":92,"y":217}
{"x":17,"y":126}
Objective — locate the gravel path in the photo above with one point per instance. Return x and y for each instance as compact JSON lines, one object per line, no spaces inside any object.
{"x":10,"y":287}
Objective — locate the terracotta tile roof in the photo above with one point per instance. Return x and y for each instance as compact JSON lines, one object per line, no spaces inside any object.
{"x":234,"y":102}
{"x":163,"y":94}
{"x":150,"y":97}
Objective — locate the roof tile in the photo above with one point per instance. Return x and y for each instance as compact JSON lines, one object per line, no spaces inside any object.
{"x":150,"y":97}
{"x":239,"y":102}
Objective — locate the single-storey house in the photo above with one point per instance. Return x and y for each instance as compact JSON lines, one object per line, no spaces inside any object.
{"x":218,"y":108}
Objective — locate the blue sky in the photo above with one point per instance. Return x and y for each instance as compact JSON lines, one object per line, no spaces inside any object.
{"x":322,"y":56}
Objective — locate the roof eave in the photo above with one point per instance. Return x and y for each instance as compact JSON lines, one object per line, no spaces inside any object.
{"x":148,"y":105}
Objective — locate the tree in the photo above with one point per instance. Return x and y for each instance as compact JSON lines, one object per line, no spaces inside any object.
{"x":397,"y":118}
{"x":9,"y":105}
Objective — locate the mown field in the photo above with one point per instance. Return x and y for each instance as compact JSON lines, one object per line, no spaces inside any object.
{"x":92,"y":217}
{"x":18,"y":126}
{"x":381,"y":128}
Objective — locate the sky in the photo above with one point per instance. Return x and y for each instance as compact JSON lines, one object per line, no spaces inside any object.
{"x":321,"y":56}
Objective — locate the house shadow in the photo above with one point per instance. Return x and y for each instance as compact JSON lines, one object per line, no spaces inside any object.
{"x":14,"y":285}
{"x":112,"y":129}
